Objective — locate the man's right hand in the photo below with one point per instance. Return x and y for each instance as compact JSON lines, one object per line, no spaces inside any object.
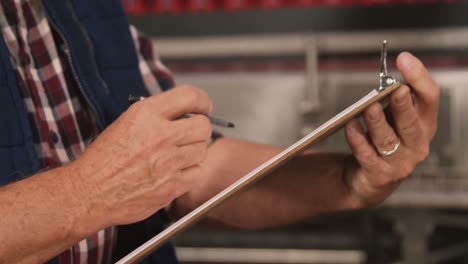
{"x":146,"y":158}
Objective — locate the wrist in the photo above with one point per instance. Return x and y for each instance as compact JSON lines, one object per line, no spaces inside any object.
{"x":354,"y":198}
{"x":87,"y":219}
{"x":361,"y":192}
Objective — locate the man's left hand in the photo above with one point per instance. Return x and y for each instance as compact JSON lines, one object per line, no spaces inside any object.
{"x":387,"y":154}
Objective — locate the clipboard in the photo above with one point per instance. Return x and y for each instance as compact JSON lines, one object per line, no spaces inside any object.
{"x":387,"y":85}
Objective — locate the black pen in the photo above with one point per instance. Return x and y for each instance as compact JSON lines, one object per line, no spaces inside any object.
{"x":214,"y":120}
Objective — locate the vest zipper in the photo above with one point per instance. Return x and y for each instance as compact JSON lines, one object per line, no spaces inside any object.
{"x":90,"y":46}
{"x":75,"y":75}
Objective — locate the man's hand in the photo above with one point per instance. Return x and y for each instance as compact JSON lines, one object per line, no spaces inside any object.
{"x":371,"y":177}
{"x":146,"y":158}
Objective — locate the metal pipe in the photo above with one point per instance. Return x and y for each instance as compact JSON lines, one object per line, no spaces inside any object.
{"x":296,"y":44}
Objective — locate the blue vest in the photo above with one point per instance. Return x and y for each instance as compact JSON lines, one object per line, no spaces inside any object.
{"x":106,"y":66}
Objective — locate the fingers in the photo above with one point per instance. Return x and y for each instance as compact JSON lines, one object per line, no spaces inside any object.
{"x":196,"y":128}
{"x":363,"y":151}
{"x":419,"y":78}
{"x":191,"y":155}
{"x":374,"y":170}
{"x":406,"y":117}
{"x":181,"y":100}
{"x":179,"y":158}
{"x":382,"y":134}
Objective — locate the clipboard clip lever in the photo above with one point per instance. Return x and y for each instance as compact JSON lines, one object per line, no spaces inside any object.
{"x":385,"y":79}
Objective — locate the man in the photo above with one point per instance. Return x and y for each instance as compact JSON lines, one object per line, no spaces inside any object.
{"x":67,"y":68}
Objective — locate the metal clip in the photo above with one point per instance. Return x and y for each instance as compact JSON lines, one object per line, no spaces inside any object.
{"x":385,"y":79}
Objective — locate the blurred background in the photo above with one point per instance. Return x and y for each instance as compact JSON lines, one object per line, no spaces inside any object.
{"x":279,"y":68}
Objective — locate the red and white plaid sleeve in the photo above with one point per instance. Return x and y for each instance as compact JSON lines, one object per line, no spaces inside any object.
{"x":156,"y":76}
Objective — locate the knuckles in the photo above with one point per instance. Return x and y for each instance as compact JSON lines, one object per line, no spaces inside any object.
{"x":164,"y":135}
{"x":373,"y":118}
{"x":411,"y":126}
{"x":143,"y":112}
{"x":401,"y":98}
{"x":193,"y":95}
{"x":392,"y":174}
{"x":369,"y":158}
{"x":405,"y":169}
{"x":169,"y":161}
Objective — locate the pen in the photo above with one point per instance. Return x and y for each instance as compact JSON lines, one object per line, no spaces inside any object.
{"x":213,"y":120}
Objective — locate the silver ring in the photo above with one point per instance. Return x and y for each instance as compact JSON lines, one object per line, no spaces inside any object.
{"x":390,"y":152}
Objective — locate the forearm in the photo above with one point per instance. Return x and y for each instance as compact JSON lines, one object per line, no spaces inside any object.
{"x":41,"y":217}
{"x":308,"y":185}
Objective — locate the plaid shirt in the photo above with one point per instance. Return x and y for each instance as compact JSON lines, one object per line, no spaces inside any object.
{"x":62,"y":121}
